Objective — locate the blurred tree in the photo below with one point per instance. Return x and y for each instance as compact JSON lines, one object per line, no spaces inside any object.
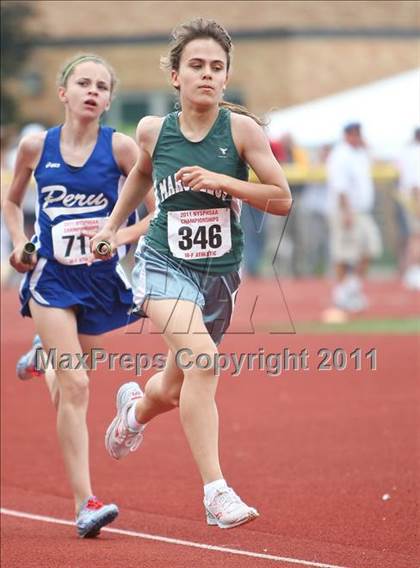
{"x":16,"y":45}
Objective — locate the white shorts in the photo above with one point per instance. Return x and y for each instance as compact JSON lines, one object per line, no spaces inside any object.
{"x":361,"y":240}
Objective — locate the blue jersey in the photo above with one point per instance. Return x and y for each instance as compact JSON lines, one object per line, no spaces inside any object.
{"x":74,"y":200}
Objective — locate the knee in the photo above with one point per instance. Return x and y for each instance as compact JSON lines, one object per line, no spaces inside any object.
{"x":201,"y":366}
{"x":73,"y":388}
{"x":199,"y":359}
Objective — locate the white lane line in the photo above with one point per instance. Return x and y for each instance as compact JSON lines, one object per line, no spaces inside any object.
{"x":168,"y":540}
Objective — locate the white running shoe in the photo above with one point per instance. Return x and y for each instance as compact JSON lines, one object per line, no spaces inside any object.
{"x":349,"y":300}
{"x":94,"y":515}
{"x":26,"y":366}
{"x":120,"y":440}
{"x":411,"y":278}
{"x":227,"y":510}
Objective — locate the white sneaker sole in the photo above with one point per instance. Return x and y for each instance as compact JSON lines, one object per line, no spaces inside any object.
{"x":213,"y":521}
{"x":108,"y":435}
{"x":101,"y":521}
{"x":113,"y":425}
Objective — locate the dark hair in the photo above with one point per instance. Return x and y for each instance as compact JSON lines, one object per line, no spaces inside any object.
{"x":353,"y":127}
{"x":197,"y":29}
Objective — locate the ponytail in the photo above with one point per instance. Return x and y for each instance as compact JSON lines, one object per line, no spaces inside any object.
{"x":239,"y":109}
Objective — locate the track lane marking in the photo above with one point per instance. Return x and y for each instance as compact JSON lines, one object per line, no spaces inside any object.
{"x":168,"y":540}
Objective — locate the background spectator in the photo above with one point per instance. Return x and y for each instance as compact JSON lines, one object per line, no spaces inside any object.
{"x":409,"y":210}
{"x":355,"y":238}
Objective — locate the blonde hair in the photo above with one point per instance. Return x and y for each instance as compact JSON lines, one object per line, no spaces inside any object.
{"x":70,"y":65}
{"x":208,"y":29}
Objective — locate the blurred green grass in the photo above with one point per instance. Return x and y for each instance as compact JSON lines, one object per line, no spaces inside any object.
{"x":402,"y":326}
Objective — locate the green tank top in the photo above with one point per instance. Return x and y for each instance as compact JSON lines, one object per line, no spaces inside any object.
{"x":199,"y":229}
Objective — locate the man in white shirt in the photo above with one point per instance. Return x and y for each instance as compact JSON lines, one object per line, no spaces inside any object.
{"x":409,"y":197}
{"x":355,"y":237}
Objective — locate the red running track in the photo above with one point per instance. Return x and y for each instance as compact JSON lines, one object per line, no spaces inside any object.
{"x":315,"y":451}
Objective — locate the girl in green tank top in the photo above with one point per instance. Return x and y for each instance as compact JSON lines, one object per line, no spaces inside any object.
{"x":197,"y":161}
{"x":210,"y":240}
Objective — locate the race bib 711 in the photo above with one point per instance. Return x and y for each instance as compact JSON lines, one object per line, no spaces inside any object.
{"x":71,"y":245}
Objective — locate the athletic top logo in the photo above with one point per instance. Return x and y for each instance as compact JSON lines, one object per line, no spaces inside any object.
{"x":223,"y":152}
{"x":70,"y":203}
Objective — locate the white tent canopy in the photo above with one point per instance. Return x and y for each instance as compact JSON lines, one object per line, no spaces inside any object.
{"x":388,"y":110}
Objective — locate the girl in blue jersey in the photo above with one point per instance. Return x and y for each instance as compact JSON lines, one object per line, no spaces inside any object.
{"x":186,"y":275}
{"x":78,"y":168}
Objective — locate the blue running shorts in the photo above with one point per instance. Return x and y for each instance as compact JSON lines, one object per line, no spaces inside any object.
{"x":100,"y":294}
{"x":158,"y":277}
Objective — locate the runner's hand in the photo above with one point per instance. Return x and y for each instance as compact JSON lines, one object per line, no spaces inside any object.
{"x":105,"y":235}
{"x":198,"y":178}
{"x":15,"y":259}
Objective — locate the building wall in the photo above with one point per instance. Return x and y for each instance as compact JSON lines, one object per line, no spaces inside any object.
{"x":270,"y":73}
{"x":87,"y":18}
